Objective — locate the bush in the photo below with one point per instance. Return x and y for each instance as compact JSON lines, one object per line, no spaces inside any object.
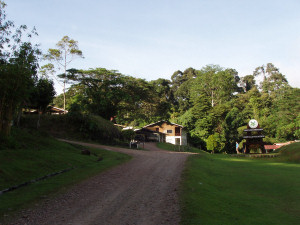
{"x":128,"y":135}
{"x":214,"y":143}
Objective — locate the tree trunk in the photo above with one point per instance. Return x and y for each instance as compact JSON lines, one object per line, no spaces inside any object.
{"x":64,"y":94}
{"x":212,"y":98}
{"x":19,"y":117}
{"x":65,"y":68}
{"x":7,"y":119}
{"x":39,"y":118}
{"x":1,"y":112}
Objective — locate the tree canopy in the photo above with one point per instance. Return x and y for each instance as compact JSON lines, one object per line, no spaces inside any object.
{"x":18,"y":68}
{"x":67,"y":50}
{"x":213,"y":103}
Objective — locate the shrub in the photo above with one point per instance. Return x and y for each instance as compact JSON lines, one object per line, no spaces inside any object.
{"x":214,"y":143}
{"x":128,"y":135}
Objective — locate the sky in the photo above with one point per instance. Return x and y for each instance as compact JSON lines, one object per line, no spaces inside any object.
{"x":153,"y":39}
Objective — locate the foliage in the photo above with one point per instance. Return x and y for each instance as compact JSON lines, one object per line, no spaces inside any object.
{"x":67,"y":50}
{"x":128,"y":135}
{"x":217,"y":83}
{"x":42,"y":95}
{"x":214,"y":143}
{"x":112,"y":95}
{"x":210,"y":102}
{"x":248,"y":82}
{"x":18,"y":69}
{"x":273,"y":80}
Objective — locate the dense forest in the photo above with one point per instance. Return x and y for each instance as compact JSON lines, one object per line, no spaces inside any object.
{"x":213,"y":103}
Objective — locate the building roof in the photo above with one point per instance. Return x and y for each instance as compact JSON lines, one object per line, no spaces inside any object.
{"x":144,"y":130}
{"x":271,"y":146}
{"x":162,"y":121}
{"x":58,"y":110}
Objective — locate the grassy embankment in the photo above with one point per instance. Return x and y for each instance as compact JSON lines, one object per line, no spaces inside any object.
{"x":35,"y":155}
{"x":75,"y":126}
{"x":221,"y":189}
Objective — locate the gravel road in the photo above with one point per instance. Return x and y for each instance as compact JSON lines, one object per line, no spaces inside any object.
{"x":141,"y":191}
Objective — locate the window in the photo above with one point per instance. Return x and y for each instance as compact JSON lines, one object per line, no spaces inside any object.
{"x":157,"y":129}
{"x":177,"y":131}
{"x":169,"y":131}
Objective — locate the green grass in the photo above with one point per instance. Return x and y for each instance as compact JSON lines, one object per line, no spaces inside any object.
{"x":39,"y":155}
{"x":177,"y":148}
{"x":290,"y":153}
{"x":220,"y":189}
{"x":75,"y":126}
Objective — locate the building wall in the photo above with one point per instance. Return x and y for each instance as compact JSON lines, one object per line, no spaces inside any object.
{"x":171,"y":135}
{"x":172,"y":140}
{"x":164,"y":128}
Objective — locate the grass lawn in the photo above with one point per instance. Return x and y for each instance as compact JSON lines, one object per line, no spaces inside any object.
{"x":221,"y":189}
{"x":39,"y":155}
{"x":177,"y":148}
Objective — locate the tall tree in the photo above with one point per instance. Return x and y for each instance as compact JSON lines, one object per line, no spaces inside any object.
{"x":217,"y":83}
{"x":247,"y":82}
{"x":272,"y":79}
{"x":103,"y":90}
{"x":18,"y":69}
{"x":165,"y":97}
{"x":67,"y":50}
{"x":181,"y":83}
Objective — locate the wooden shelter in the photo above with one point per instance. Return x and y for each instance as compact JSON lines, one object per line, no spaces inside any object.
{"x":254,"y":137}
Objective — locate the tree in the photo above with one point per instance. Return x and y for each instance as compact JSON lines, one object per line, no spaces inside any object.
{"x":273,"y":80}
{"x":215,"y":143}
{"x":164,"y":96}
{"x":18,"y":69}
{"x":181,"y":82}
{"x":177,"y":79}
{"x":285,"y":112}
{"x":67,"y":50}
{"x":232,"y":122}
{"x":41,"y":96}
{"x":217,"y":83}
{"x":102,"y":90}
{"x":248,"y":82}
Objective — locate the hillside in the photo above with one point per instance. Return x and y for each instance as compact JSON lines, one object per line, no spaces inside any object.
{"x":30,"y":154}
{"x":75,"y":126}
{"x":290,"y":153}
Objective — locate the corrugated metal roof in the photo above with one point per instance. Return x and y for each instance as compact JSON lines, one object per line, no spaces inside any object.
{"x":163,"y":121}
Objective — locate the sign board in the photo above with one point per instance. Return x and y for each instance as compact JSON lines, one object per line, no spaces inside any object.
{"x":254,"y":137}
{"x":253,"y":124}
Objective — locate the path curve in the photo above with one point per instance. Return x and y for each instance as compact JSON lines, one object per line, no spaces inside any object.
{"x":141,"y":191}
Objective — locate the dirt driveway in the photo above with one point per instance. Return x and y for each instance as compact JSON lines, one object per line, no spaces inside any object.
{"x":141,"y":191}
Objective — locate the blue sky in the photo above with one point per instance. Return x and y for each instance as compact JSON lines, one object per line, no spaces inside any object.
{"x":153,"y":39}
